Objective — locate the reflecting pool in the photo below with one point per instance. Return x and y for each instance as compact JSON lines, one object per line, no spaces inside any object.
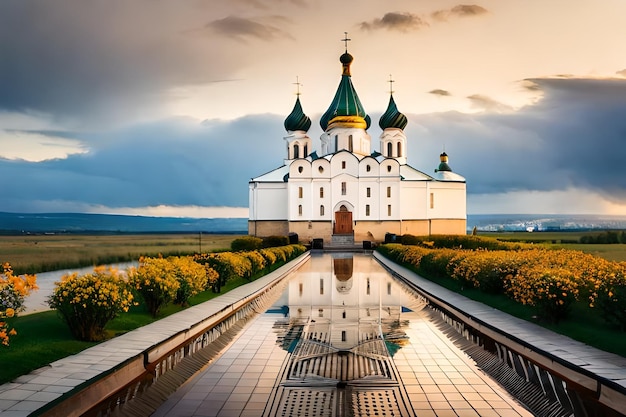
{"x":343,"y":339}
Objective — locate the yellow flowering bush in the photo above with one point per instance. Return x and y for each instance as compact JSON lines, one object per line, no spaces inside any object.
{"x":88,"y":302}
{"x":257,"y":261}
{"x":191,"y":276}
{"x":550,"y":280}
{"x":551,"y":290}
{"x":230,"y":265}
{"x":609,"y":296}
{"x":155,"y":279}
{"x":13,"y":290}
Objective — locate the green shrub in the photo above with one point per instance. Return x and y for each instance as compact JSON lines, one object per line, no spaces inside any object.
{"x":273,"y":241}
{"x":246,"y":243}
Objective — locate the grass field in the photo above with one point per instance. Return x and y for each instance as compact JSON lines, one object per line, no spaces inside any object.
{"x":41,"y":253}
{"x":565,"y":240}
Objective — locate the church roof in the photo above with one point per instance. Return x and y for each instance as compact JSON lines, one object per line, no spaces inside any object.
{"x":297,"y":120}
{"x":392,"y":118}
{"x":408,"y":173}
{"x":276,"y":175}
{"x":346,"y":108}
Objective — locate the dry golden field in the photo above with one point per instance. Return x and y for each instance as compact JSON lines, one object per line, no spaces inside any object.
{"x":39,"y":253}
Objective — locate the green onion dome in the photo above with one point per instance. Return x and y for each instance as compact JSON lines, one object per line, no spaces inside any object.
{"x":346,"y":109}
{"x":443,"y":165}
{"x":297,"y":120}
{"x":392,"y":118}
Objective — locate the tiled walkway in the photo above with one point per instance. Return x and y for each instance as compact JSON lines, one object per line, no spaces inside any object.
{"x":438,"y":378}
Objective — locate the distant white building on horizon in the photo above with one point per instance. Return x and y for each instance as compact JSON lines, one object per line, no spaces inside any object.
{"x":350,"y":191}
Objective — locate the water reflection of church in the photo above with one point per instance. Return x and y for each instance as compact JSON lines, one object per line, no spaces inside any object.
{"x":343,"y":323}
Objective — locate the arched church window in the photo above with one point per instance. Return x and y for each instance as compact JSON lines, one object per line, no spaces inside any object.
{"x":300,"y":169}
{"x":321,"y":192}
{"x":367,"y":209}
{"x":321,"y":210}
{"x":306,"y":150}
{"x":296,"y":151}
{"x":343,"y":164}
{"x":336,"y":143}
{"x":300,"y":210}
{"x":343,"y":208}
{"x":320,"y":169}
{"x":389,"y":150}
{"x":368,"y":168}
{"x":399,"y":148}
{"x":343,"y":188}
{"x":350,"y":144}
{"x":388,"y":168}
{"x":299,"y":192}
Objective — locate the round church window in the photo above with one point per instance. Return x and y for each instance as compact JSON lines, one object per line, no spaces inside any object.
{"x":300,"y":169}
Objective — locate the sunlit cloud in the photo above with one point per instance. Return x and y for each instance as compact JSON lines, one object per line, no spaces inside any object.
{"x":36,"y":147}
{"x":462,"y":10}
{"x":244,"y":28}
{"x":399,"y":21}
{"x":440,"y":92}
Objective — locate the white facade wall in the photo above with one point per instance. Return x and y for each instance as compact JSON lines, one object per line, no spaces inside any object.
{"x":414,"y":202}
{"x":448,"y":200}
{"x":268,"y":201}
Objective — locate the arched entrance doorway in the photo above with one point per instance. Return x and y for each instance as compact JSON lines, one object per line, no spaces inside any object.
{"x":343,"y":221}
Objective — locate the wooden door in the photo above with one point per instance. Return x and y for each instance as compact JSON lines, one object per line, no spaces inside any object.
{"x":343,"y":223}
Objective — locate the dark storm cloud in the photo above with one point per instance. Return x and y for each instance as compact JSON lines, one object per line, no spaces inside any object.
{"x":173,"y":162}
{"x":462,"y":10}
{"x":242,"y":28}
{"x":100,"y":61}
{"x":400,"y":21}
{"x":439,"y":92}
{"x":574,"y":137}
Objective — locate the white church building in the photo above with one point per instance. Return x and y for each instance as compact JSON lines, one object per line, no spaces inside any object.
{"x":350,"y":192}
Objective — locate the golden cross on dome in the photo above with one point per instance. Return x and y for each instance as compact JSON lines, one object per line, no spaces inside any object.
{"x":298,"y":84}
{"x":391,"y":81}
{"x":346,"y":40}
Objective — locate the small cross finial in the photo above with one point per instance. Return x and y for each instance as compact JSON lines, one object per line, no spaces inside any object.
{"x":346,"y":40}
{"x":298,"y":84}
{"x":391,"y":81}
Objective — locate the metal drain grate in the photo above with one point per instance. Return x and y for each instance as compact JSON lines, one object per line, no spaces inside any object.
{"x":308,"y":403}
{"x":375,"y":403}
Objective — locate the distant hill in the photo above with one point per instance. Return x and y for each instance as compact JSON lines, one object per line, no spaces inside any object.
{"x":37,"y":223}
{"x":21,"y":223}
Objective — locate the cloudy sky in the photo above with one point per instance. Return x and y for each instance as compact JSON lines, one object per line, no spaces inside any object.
{"x":169,"y":107}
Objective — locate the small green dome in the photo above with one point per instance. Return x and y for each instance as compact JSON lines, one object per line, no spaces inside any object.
{"x":392,"y":118}
{"x":443,"y":165}
{"x":297,"y":120}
